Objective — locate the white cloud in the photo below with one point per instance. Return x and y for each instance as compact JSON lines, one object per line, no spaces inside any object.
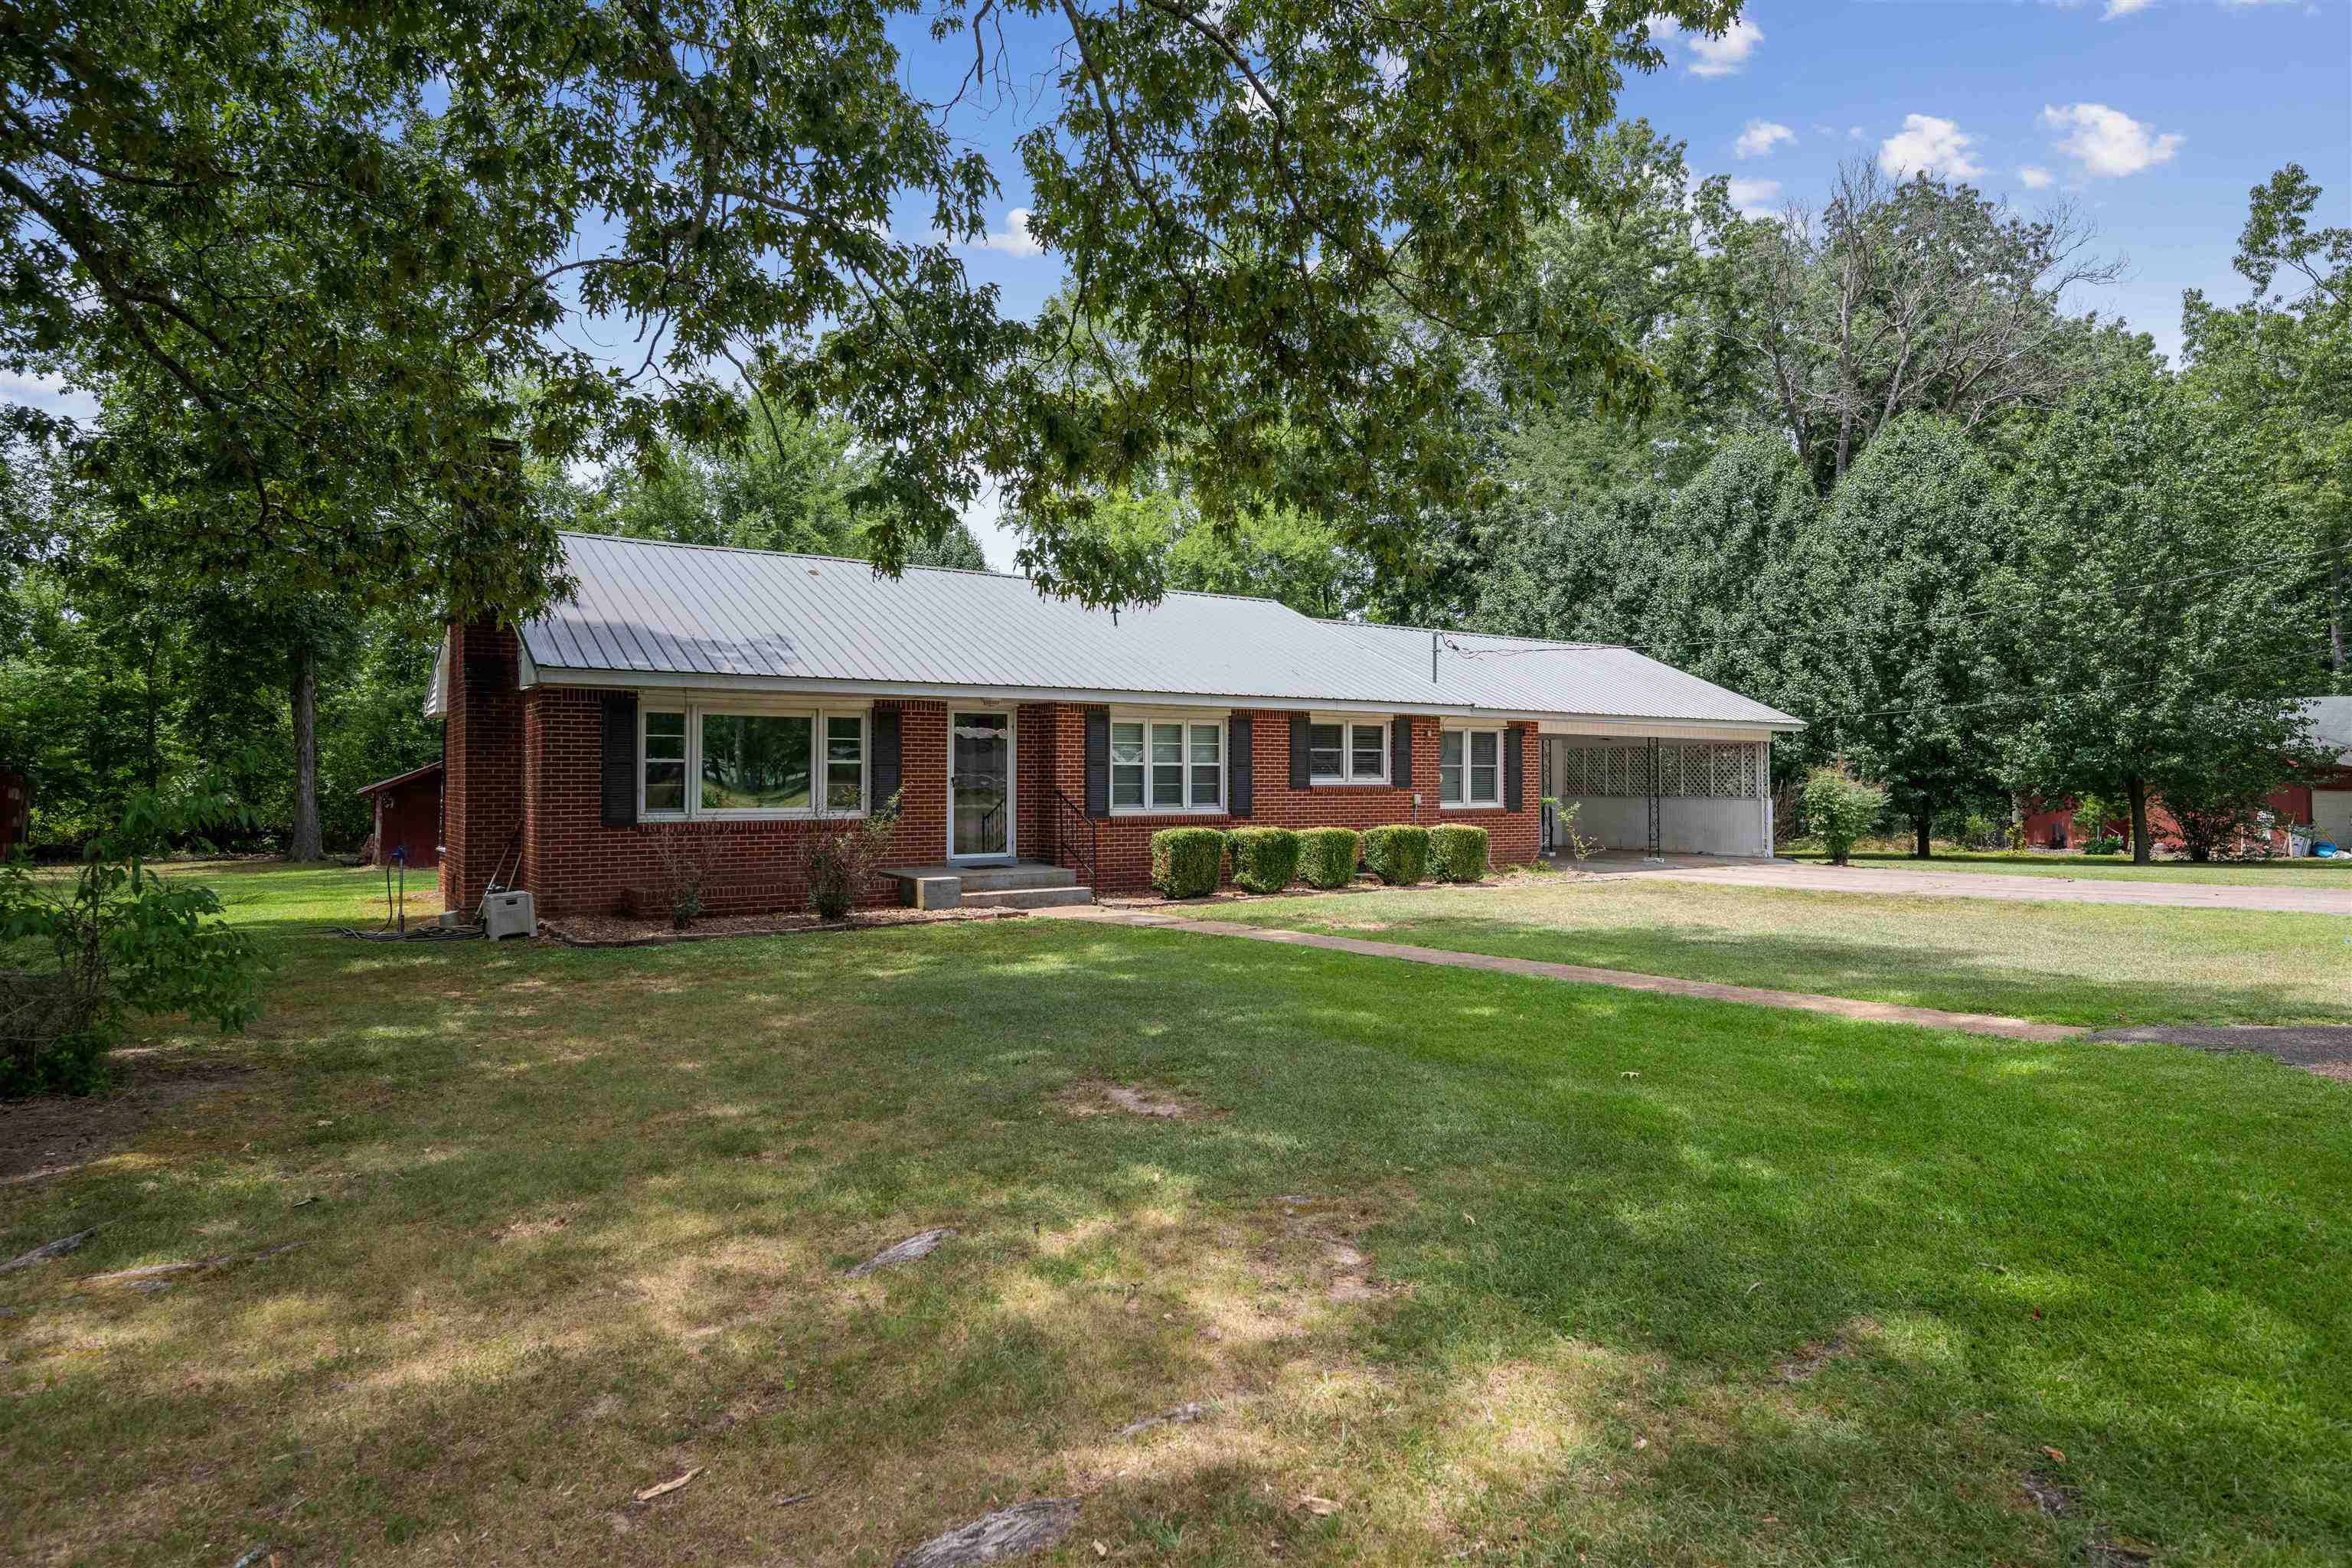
{"x":1928,"y":145}
{"x":2036,"y":179}
{"x":1754,"y":199}
{"x":2124,"y":9}
{"x":1015,"y":239}
{"x":1761,"y":137}
{"x":1723,"y":56}
{"x":2107,"y":141}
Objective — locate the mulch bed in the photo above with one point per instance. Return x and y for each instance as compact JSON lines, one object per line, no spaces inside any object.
{"x":641,"y":931}
{"x":1362,"y":885}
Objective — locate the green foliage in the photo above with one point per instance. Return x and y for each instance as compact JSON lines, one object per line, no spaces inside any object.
{"x":2103,"y":845}
{"x":1840,"y":808}
{"x":1327,"y":855}
{"x":1186,"y":861}
{"x":1457,"y":853}
{"x":2158,"y":661}
{"x":114,"y":942}
{"x":1397,"y":854}
{"x":1265,"y":859}
{"x":843,"y":857}
{"x":334,"y":260}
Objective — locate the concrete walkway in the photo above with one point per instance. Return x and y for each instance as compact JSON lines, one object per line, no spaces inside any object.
{"x":1836,"y":1006}
{"x":1889,"y":880}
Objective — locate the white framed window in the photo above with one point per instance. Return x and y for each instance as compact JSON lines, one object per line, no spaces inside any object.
{"x":1470,"y":768}
{"x":1343,"y":752}
{"x":1166,"y":763}
{"x":732,"y":760}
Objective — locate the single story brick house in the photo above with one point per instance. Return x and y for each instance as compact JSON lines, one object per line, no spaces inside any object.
{"x":724,"y":703}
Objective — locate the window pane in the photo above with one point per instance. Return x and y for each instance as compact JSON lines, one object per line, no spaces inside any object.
{"x":1127,"y":744}
{"x":1449,"y":767}
{"x":1168,"y":742}
{"x":755,"y":762}
{"x":1204,"y":742}
{"x":1485,"y":766}
{"x":844,"y":739}
{"x":1126,"y":782}
{"x":1167,"y":785}
{"x":1207,"y":783}
{"x":666,"y":786}
{"x":1370,"y":744}
{"x":665,"y":737}
{"x":1323,"y":750}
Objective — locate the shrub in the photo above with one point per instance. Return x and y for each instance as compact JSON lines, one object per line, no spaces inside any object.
{"x":1397,"y":854}
{"x":2103,"y":845}
{"x":1327,"y":855}
{"x":1185,"y":861}
{"x":115,"y":942}
{"x":1840,"y":808}
{"x":681,"y":886}
{"x":1457,"y":853}
{"x":1264,"y":858}
{"x":843,"y":857}
{"x":1565,"y":834}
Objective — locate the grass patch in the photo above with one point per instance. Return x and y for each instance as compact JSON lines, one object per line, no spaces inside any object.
{"x":2319,"y":875}
{"x":1447,"y":1276}
{"x":2096,"y":964}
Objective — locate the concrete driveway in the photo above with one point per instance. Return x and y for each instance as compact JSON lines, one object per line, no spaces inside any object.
{"x":1731,"y":872}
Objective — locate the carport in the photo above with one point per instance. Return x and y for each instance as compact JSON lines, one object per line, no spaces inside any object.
{"x":1665,"y":791}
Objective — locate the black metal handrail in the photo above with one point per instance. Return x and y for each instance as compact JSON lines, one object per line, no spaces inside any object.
{"x":1067,"y":817}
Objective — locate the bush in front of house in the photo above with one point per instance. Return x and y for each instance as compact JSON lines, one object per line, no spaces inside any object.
{"x":843,"y":856}
{"x":1264,"y":858}
{"x":1185,"y":861}
{"x":1457,"y":853}
{"x":1327,"y":855}
{"x":2102,"y":846}
{"x":1397,"y":854}
{"x":1840,"y":808}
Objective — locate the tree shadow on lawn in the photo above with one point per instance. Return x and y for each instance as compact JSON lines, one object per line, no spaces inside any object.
{"x":1910,"y":969}
{"x":557,"y":1266}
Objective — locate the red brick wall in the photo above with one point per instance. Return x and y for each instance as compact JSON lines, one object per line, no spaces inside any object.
{"x":1125,"y":841}
{"x":543,"y":748}
{"x":576,"y":864}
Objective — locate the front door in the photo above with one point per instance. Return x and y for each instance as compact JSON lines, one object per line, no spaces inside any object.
{"x":1547,"y":751}
{"x":980,"y":786}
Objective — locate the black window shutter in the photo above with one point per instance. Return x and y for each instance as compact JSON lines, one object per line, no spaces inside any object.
{"x":1097,"y":761}
{"x":1237,"y":764}
{"x":1299,"y":761}
{"x":1513,"y":762}
{"x":1400,"y":751}
{"x":619,"y":772}
{"x":886,"y":756}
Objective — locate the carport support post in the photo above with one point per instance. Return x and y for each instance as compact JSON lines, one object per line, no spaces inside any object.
{"x":1655,"y":853}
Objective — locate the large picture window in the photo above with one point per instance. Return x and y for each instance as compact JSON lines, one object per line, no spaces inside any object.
{"x":1470,"y":768}
{"x":746,"y":762}
{"x":1166,"y":765}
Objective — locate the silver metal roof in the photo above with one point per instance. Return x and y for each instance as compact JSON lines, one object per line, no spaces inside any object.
{"x":697,"y":614}
{"x":2327,"y":724}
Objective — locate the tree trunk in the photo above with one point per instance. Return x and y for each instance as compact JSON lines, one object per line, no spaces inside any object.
{"x":154,"y":755}
{"x":2335,"y":618}
{"x":2136,"y":789}
{"x":1923,"y":825}
{"x":306,"y":843}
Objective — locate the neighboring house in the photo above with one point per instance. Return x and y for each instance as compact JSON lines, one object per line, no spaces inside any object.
{"x":2321,"y":796}
{"x":407,"y":816}
{"x":720,"y":704}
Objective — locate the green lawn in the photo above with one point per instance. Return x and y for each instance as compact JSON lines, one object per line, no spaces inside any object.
{"x":1495,"y":1270}
{"x":2094,"y":964}
{"x":2324,"y":875}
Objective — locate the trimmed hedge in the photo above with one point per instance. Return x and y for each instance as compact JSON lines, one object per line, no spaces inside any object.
{"x":1264,"y":858}
{"x":1327,"y":855}
{"x":1457,"y":853}
{"x":1397,"y":854}
{"x":1185,"y":861}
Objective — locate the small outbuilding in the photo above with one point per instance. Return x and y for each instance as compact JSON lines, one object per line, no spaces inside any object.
{"x":407,"y":816}
{"x":15,"y":811}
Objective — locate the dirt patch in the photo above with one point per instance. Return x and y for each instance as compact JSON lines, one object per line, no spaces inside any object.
{"x":1119,"y":1098}
{"x":1806,"y":1362}
{"x":2047,"y":1496}
{"x":646,"y":930}
{"x":54,"y":1134}
{"x":2325,"y":1049}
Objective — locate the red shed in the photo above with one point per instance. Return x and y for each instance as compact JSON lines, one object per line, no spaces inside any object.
{"x":407,"y":814}
{"x":15,"y":811}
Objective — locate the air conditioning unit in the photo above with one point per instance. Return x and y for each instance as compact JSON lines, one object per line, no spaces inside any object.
{"x":508,"y":914}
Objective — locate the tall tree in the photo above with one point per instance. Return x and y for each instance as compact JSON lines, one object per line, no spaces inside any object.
{"x":319,"y":246}
{"x":2282,"y":360}
{"x":2158,"y":598}
{"x":1890,"y":606}
{"x":1910,"y":296}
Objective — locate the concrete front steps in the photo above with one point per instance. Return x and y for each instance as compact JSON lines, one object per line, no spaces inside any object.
{"x":1024,"y":885}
